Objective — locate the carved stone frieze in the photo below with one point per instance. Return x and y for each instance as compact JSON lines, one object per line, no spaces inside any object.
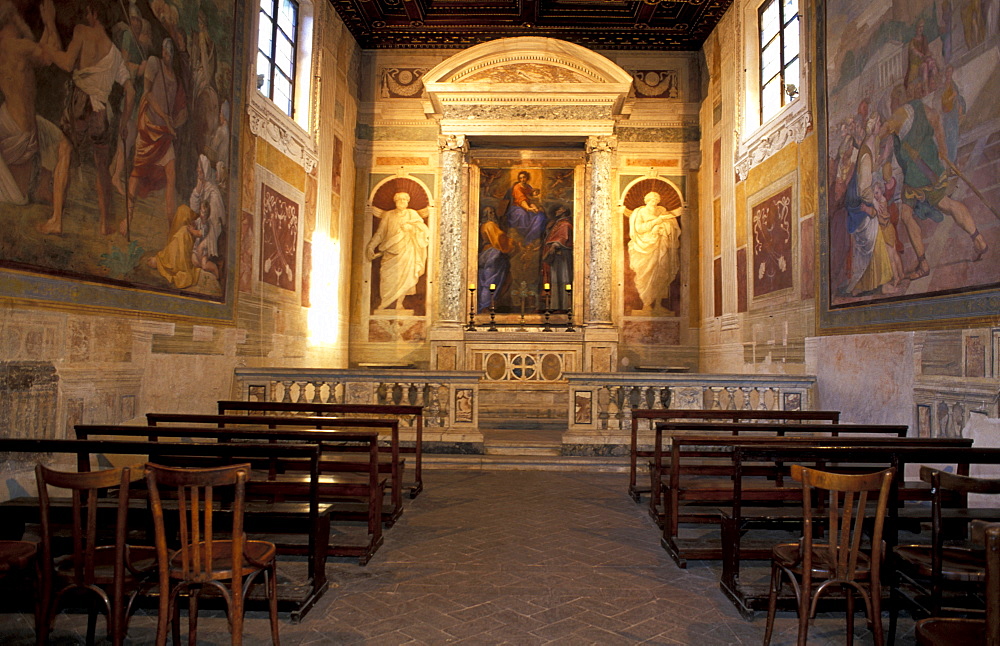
{"x":792,"y":128}
{"x":520,"y":112}
{"x":271,"y":124}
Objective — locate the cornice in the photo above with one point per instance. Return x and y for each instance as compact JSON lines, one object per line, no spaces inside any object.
{"x":790,"y":127}
{"x":275,"y":127}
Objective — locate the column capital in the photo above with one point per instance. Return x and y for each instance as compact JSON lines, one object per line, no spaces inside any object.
{"x":602,"y":144}
{"x":453,"y":143}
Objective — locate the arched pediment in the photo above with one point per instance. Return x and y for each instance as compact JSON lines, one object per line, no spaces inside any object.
{"x":545,"y":85}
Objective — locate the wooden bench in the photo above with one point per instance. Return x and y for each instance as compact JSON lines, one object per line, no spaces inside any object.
{"x":695,"y":492}
{"x":680,"y":414}
{"x":692,"y":457}
{"x":346,"y":491}
{"x":264,"y":515}
{"x":316,"y":408}
{"x":745,"y":514}
{"x":341,"y":460}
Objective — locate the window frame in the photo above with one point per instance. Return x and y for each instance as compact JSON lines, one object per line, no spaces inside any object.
{"x":274,"y":64}
{"x":784,"y":25}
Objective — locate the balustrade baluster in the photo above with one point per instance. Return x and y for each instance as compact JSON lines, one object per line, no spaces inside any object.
{"x":397,"y":393}
{"x":665,"y":397}
{"x":287,"y":394}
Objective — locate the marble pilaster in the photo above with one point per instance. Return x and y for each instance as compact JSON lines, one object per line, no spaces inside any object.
{"x":600,"y":164}
{"x":451,"y":246}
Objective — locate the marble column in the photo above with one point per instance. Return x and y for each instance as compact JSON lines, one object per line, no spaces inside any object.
{"x":451,"y":236}
{"x":600,"y":158}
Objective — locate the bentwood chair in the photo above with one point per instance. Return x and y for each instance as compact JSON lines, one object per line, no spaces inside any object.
{"x":817,"y":568}
{"x":946,"y":577}
{"x":205,"y":559}
{"x":957,"y":631}
{"x":112,"y":574}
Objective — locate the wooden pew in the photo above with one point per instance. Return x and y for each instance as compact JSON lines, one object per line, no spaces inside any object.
{"x":316,"y":408}
{"x":393,"y":464}
{"x":337,"y":487}
{"x":743,"y":515}
{"x":680,"y":414}
{"x":740,"y":429}
{"x":694,"y":493}
{"x":299,"y":513}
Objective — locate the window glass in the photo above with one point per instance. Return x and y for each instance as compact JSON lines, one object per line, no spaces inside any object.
{"x":779,"y":54}
{"x":276,"y":51}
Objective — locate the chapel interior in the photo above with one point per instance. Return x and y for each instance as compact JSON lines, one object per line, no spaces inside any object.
{"x":515,"y":129}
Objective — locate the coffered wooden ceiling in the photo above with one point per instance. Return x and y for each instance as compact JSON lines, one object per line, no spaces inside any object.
{"x":676,"y":25}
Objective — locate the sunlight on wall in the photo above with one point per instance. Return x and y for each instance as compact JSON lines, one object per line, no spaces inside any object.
{"x":324,"y":293}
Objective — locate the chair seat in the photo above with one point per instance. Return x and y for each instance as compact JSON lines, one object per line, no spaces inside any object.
{"x":254,"y":552}
{"x":957,"y":563}
{"x":944,"y":631}
{"x":787,"y":556}
{"x":141,"y":558}
{"x":16,"y":555}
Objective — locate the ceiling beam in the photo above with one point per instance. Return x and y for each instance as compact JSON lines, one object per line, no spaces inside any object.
{"x":414,"y":11}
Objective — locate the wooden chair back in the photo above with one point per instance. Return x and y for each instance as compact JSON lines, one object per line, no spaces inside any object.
{"x":87,"y":488}
{"x":85,"y":567}
{"x":196,"y":499}
{"x":847,"y":509}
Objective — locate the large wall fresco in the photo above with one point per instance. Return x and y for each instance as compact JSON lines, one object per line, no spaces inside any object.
{"x":115,"y":150}
{"x":910,"y":229}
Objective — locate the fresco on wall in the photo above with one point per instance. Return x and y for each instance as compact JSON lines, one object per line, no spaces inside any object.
{"x":911,"y":179}
{"x":397,"y":248}
{"x":525,"y":239}
{"x":115,"y":142}
{"x":279,"y":238}
{"x":652,"y":208}
{"x":771,"y":223}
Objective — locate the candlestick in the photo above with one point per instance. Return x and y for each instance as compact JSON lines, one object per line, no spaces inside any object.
{"x":471,"y":327}
{"x":548,"y":311}
{"x":493,"y":309}
{"x":569,"y":310}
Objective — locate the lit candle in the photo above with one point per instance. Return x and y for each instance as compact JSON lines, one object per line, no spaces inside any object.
{"x":569,"y":287}
{"x":493,"y":287}
{"x":546,"y":286}
{"x":472,"y":287}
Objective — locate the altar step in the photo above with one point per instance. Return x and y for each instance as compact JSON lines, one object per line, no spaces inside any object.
{"x":537,"y":442}
{"x":479,"y":462}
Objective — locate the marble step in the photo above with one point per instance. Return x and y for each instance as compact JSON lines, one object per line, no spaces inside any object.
{"x":524,"y":442}
{"x":529,"y":463}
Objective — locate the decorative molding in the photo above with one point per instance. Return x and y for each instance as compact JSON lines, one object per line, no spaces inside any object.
{"x":604,"y":144}
{"x":792,"y":126}
{"x":453,"y":143}
{"x":274,"y":126}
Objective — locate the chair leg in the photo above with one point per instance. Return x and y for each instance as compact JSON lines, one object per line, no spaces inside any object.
{"x":193,"y":618}
{"x":772,"y":602}
{"x":175,"y":618}
{"x":92,"y":623}
{"x":272,"y":593}
{"x":804,"y":605}
{"x":875,"y":614}
{"x":849,"y":591}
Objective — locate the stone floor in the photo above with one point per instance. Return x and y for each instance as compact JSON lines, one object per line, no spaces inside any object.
{"x":508,"y":557}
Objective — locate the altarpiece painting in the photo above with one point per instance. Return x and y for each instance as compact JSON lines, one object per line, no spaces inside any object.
{"x":909,"y":225}
{"x":525,"y":239}
{"x":115,"y":152}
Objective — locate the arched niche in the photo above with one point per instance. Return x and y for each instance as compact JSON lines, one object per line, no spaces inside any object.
{"x":527,"y":86}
